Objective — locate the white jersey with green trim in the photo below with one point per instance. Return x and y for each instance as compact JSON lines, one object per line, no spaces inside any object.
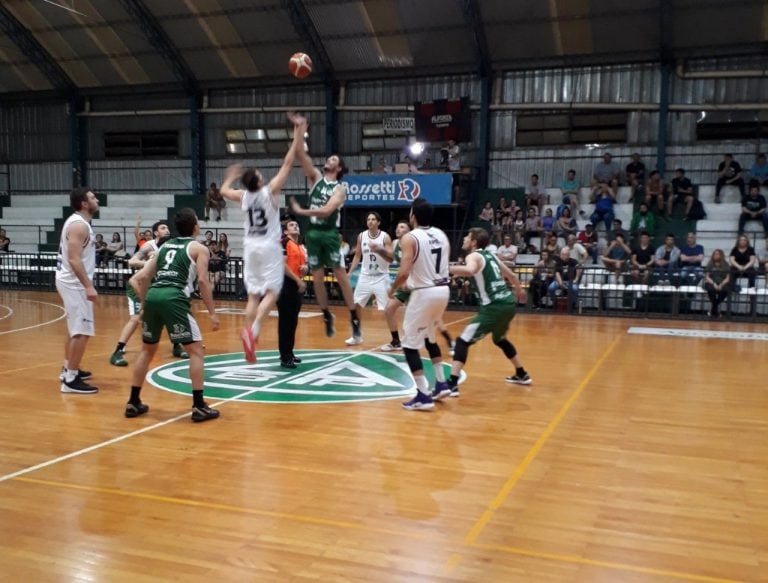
{"x":430,"y":265}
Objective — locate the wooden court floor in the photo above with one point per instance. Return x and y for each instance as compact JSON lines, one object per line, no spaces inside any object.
{"x":632,"y":458}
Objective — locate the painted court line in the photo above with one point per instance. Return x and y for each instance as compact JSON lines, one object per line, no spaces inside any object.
{"x":40,"y":324}
{"x":574,"y":559}
{"x":120,"y":438}
{"x":693,"y":333}
{"x":474,"y":533}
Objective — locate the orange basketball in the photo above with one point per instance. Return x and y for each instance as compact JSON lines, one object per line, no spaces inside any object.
{"x":300,"y":65}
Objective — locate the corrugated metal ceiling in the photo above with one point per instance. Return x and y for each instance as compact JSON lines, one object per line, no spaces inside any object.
{"x":99,"y":44}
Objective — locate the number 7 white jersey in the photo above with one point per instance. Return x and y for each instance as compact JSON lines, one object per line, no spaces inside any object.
{"x":262,"y":216}
{"x":430,"y":266}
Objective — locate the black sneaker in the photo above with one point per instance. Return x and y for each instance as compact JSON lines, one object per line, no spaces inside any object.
{"x":77,"y":385}
{"x":288,"y":364}
{"x":203,"y":413}
{"x":132,"y":410}
{"x":296,"y":359}
{"x":83,"y":375}
{"x":330,"y":329}
{"x":519,"y":380}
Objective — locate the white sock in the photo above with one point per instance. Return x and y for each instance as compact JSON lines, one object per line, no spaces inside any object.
{"x":255,"y":329}
{"x":421,"y":383}
{"x":70,"y":375}
{"x":439,"y":373}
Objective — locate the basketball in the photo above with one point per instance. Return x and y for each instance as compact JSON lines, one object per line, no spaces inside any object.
{"x":300,"y":65}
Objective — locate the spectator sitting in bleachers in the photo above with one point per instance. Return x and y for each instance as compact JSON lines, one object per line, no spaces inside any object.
{"x":642,"y":220}
{"x":213,"y":200}
{"x":548,"y":221}
{"x":533,"y":227}
{"x":607,"y":173}
{"x":656,"y":193}
{"x":666,"y":261}
{"x":543,"y":275}
{"x":754,"y":208}
{"x":101,"y":250}
{"x":691,"y":258}
{"x":617,"y":254}
{"x":743,"y":261}
{"x":5,"y":242}
{"x":507,"y":253}
{"x":716,"y":282}
{"x":643,"y":258}
{"x":588,"y":240}
{"x":682,"y":193}
{"x":497,"y":227}
{"x":507,"y":225}
{"x":635,"y":175}
{"x":567,"y":275}
{"x":570,"y":187}
{"x":566,"y":224}
{"x":603,"y":198}
{"x":578,"y":251}
{"x":759,"y":170}
{"x":504,"y":207}
{"x":487,"y":213}
{"x":534,"y":195}
{"x":550,"y":244}
{"x":217,"y":265}
{"x":115,"y":246}
{"x":209,"y":241}
{"x":729,"y":173}
{"x":617,"y":228}
{"x":518,"y":228}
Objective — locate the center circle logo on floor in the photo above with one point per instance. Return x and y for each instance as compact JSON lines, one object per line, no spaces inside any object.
{"x":324,"y":376}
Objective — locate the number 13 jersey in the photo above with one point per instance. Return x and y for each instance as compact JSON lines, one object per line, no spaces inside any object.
{"x":430,"y":265}
{"x":262,"y":216}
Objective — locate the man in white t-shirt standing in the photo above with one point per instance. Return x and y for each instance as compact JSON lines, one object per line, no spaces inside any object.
{"x":374,"y":271}
{"x":423,"y":270}
{"x":263,"y":268}
{"x":75,"y":266}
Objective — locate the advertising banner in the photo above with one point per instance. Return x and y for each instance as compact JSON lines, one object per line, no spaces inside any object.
{"x":398,"y":189}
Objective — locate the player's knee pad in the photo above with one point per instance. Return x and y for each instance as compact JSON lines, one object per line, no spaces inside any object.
{"x":461,"y":350}
{"x":433,"y":349}
{"x":412,"y":358}
{"x":507,"y":347}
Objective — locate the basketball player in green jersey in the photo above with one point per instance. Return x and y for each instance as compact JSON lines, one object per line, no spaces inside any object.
{"x":498,"y":306}
{"x":172,"y":272}
{"x":322,"y":238}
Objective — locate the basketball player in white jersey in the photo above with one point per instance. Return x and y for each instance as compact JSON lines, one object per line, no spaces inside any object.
{"x":75,"y":266}
{"x":374,"y":270}
{"x":424,"y":271}
{"x":263,"y":269}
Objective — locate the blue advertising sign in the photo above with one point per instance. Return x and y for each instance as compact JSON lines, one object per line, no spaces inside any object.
{"x":398,"y":189}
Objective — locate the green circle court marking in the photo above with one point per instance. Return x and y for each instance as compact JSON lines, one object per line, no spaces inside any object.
{"x":324,"y":376}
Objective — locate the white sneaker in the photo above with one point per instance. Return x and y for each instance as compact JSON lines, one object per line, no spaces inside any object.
{"x":389,"y":347}
{"x":354,"y":340}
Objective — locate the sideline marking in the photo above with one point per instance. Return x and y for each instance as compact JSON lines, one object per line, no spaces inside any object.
{"x":474,"y":533}
{"x":694,"y":333}
{"x":145,"y":429}
{"x":63,"y":315}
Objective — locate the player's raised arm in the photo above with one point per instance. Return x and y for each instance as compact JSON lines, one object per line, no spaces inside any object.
{"x":299,"y":128}
{"x":232,"y":173}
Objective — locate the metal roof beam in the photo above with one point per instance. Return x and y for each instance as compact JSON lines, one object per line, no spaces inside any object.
{"x":305,"y":28}
{"x":162,"y":43}
{"x":35,"y":52}
{"x":471,"y":10}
